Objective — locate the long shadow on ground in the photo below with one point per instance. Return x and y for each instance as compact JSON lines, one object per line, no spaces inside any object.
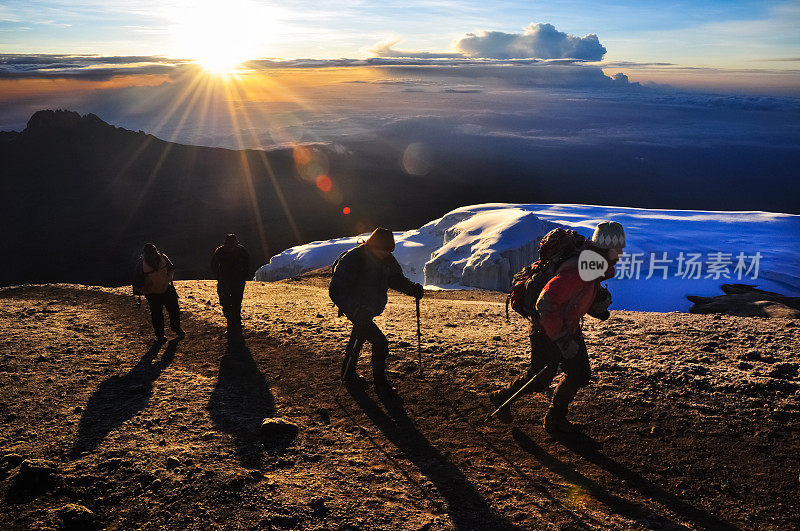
{"x":118,"y":398}
{"x":466,"y":506}
{"x":240,"y":402}
{"x":588,"y":449}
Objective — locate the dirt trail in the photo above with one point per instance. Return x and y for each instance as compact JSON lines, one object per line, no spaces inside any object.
{"x":691,"y":421}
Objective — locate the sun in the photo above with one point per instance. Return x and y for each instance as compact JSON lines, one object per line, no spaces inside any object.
{"x":221,"y":35}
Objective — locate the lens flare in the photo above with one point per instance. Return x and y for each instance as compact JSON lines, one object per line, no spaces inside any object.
{"x":416,"y":159}
{"x":324,"y":183}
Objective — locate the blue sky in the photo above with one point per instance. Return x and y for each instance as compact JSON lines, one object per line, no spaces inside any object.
{"x":721,"y":34}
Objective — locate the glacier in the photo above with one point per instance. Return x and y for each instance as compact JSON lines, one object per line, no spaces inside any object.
{"x":482,"y":246}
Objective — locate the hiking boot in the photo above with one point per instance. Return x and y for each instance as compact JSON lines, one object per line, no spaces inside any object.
{"x":179,"y":333}
{"x":555,"y":422}
{"x":497,"y":398}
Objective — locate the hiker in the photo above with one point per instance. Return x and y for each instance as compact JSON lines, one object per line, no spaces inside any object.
{"x":153,"y":279}
{"x":555,"y":333}
{"x":361,"y":279}
{"x":231,"y":267}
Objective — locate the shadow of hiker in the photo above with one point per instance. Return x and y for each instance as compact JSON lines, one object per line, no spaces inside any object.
{"x":240,"y":402}
{"x":465,"y":505}
{"x":588,"y":449}
{"x":119,"y":398}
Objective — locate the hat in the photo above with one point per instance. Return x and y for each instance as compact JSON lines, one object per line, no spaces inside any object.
{"x":381,"y":239}
{"x":608,"y":234}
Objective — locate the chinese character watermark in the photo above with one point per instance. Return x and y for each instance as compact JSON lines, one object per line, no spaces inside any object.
{"x":693,"y":266}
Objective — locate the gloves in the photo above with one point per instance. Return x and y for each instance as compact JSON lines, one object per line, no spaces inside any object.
{"x":599,"y":309}
{"x":568,"y":346}
{"x":418,"y":291}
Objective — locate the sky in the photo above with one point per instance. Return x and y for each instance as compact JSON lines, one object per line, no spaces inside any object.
{"x":508,"y":79}
{"x":708,"y":33}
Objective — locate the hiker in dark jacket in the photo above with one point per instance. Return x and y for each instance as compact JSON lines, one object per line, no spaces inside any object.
{"x":361,"y":278}
{"x":231,"y":267}
{"x":556,"y":337}
{"x":153,"y":278}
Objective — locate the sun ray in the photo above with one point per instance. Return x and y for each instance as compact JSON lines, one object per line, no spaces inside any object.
{"x":273,"y":180}
{"x":163,"y":156}
{"x":247,"y":173}
{"x":164,"y":119}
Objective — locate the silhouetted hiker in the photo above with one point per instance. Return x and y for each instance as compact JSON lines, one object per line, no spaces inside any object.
{"x":555,"y":333}
{"x":361,"y":278}
{"x":153,"y":278}
{"x":231,"y":267}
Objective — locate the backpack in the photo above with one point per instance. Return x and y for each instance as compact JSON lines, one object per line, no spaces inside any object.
{"x":138,"y":278}
{"x":336,"y":264}
{"x":555,"y":247}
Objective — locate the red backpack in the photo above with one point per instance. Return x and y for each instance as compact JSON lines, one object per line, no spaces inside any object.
{"x":555,"y":248}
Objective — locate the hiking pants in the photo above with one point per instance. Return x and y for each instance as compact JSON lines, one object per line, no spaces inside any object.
{"x":545,"y":355}
{"x":230,"y":297}
{"x":159,"y":301}
{"x":369,"y":331}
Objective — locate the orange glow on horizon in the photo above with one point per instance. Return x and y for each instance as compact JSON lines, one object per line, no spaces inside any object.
{"x":15,"y":88}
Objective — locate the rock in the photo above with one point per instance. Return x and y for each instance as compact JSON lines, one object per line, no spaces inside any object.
{"x":324,"y":415}
{"x":172,"y":462}
{"x":317,"y":506}
{"x":74,"y":516}
{"x":784,"y":370}
{"x":278,"y":432}
{"x":77,"y":409}
{"x":751,"y":355}
{"x":156,"y":484}
{"x":403,"y":344}
{"x":656,"y":431}
{"x":35,"y":477}
{"x":9,"y":461}
{"x":747,"y":301}
{"x":744,"y":365}
{"x":496,"y":338}
{"x":37,"y":468}
{"x":283,"y":521}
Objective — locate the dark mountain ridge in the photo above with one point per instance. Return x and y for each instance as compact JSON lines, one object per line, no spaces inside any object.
{"x":82,"y":196}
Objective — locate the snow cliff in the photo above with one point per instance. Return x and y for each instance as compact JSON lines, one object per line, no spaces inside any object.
{"x":482,"y":246}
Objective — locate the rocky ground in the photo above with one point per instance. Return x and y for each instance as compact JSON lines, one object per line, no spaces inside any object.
{"x":691,"y":421}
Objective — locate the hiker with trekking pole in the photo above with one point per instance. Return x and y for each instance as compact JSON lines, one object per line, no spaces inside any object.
{"x":361,"y":279}
{"x":554,"y":294}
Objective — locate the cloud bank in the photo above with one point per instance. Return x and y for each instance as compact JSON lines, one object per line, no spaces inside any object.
{"x":87,"y":67}
{"x":540,"y":41}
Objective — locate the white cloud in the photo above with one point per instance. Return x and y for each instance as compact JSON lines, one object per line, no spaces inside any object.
{"x":541,"y":41}
{"x":386,"y":49}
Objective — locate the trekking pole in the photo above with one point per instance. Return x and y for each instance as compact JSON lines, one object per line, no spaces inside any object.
{"x":419,"y":343}
{"x":518,"y":393}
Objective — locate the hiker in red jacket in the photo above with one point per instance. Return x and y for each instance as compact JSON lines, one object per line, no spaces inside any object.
{"x":556,"y":337}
